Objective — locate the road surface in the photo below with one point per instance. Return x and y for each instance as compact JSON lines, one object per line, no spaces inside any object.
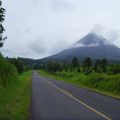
{"x":56,"y":100}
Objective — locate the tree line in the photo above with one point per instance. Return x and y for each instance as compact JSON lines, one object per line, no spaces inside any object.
{"x":87,"y":66}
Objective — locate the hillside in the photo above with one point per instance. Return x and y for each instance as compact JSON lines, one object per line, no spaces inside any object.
{"x":91,"y":45}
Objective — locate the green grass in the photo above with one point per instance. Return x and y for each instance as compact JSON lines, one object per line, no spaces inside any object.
{"x":15,"y":99}
{"x":98,"y":82}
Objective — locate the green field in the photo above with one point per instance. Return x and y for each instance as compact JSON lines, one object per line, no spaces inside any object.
{"x":15,"y":98}
{"x":99,"y":82}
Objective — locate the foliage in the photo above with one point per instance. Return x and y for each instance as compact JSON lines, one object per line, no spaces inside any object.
{"x":114,"y":69}
{"x":29,"y":62}
{"x":20,"y":66}
{"x":2,"y":15}
{"x":8,"y":73}
{"x":101,"y":65}
{"x":75,"y":63}
{"x":97,"y":66}
{"x":53,"y":67}
{"x":15,"y":99}
{"x":14,"y":91}
{"x":65,"y":66}
{"x":87,"y":64}
{"x":87,"y":67}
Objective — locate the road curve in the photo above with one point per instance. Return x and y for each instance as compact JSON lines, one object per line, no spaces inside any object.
{"x":55,"y":100}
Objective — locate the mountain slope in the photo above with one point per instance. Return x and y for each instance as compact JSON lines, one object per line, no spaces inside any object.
{"x":91,"y":45}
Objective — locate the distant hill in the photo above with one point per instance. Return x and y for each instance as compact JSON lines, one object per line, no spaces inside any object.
{"x":91,"y":45}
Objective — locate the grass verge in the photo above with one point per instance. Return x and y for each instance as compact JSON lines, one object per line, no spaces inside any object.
{"x":15,"y":99}
{"x":104,"y":84}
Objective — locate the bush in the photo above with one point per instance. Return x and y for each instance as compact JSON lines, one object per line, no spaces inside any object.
{"x":20,"y":66}
{"x":115,"y":69}
{"x":79,"y":70}
{"x":8,"y":73}
{"x":104,"y":82}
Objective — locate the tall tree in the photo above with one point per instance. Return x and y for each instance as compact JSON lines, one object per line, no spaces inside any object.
{"x":2,"y":16}
{"x":53,"y":66}
{"x":104,"y":65}
{"x":87,"y":62}
{"x":75,"y":63}
{"x":101,"y":65}
{"x":65,"y":65}
{"x":87,"y":65}
{"x":97,"y":66}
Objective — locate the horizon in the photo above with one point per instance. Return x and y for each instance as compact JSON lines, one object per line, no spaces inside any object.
{"x":75,"y":45}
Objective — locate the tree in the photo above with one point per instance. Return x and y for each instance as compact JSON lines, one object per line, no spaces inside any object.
{"x":2,"y":15}
{"x":115,"y":69}
{"x":101,"y":65}
{"x":87,"y":63}
{"x":65,"y":65}
{"x":104,"y":65}
{"x":75,"y":63}
{"x":18,"y":64}
{"x":97,"y":66}
{"x":53,"y":66}
{"x":8,"y":73}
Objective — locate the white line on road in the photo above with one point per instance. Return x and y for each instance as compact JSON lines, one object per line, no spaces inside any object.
{"x":81,"y":102}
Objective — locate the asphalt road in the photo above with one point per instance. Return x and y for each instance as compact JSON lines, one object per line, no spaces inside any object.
{"x":56,"y":100}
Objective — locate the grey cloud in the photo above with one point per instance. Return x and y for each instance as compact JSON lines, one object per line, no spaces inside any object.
{"x":113,"y":35}
{"x":61,"y":6}
{"x":39,"y":45}
{"x":44,"y":46}
{"x":98,"y":29}
{"x":59,"y":46}
{"x":27,"y":31}
{"x":36,"y":3}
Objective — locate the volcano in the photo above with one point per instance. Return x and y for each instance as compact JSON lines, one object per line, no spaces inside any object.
{"x":92,"y":45}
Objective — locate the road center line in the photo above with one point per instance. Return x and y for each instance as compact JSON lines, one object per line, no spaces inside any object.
{"x":81,"y":102}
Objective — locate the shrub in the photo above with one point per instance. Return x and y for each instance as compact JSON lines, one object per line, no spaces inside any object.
{"x":115,"y":69}
{"x":8,"y":73}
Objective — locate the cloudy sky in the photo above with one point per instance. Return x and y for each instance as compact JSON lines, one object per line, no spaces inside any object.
{"x":39,"y":28}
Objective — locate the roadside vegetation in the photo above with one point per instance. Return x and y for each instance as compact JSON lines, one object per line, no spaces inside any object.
{"x":15,"y":90}
{"x":98,"y":76}
{"x":15,"y":83}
